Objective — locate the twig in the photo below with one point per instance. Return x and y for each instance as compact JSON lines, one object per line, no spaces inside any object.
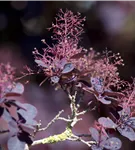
{"x":64,"y":119}
{"x":85,"y":111}
{"x":76,"y":138}
{"x":52,"y":121}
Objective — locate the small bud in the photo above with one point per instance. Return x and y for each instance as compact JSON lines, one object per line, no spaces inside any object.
{"x":43,"y":40}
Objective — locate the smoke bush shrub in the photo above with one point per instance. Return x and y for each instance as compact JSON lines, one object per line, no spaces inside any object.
{"x":76,"y":71}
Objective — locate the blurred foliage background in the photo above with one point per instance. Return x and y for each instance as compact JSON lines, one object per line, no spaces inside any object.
{"x":109,"y":25}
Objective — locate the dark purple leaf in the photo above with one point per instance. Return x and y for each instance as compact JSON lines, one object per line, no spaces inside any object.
{"x":113,"y":94}
{"x":79,"y":55}
{"x":85,"y":83}
{"x":119,"y":108}
{"x":8,"y":104}
{"x":21,"y":119}
{"x":114,"y":113}
{"x":25,"y":137}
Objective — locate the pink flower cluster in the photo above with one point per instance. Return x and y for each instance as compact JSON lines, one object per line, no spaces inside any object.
{"x":67,"y":29}
{"x":6,"y":77}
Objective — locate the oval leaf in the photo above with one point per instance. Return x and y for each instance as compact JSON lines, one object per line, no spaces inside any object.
{"x":15,"y":144}
{"x":125,"y":112}
{"x":41,"y":63}
{"x":127,"y":132}
{"x":97,"y":83}
{"x":6,"y":116}
{"x":68,"y":68}
{"x":13,"y":128}
{"x":131,"y":122}
{"x":107,"y":122}
{"x":112,"y":143}
{"x":29,"y":128}
{"x":96,"y":147}
{"x":29,"y":113}
{"x":17,"y":104}
{"x":19,"y":89}
{"x":94,"y":133}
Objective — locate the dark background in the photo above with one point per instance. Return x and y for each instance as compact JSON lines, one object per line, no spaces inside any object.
{"x":23,"y":24}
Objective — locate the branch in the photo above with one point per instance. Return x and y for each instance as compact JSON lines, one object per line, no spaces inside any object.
{"x":55,"y":138}
{"x":67,"y":134}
